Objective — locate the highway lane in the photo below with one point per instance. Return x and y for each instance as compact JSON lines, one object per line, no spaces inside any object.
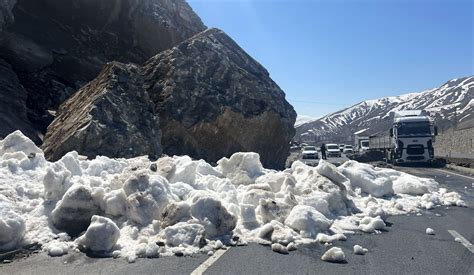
{"x":403,"y":249}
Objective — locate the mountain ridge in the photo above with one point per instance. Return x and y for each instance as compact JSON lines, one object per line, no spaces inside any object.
{"x":449,"y":105}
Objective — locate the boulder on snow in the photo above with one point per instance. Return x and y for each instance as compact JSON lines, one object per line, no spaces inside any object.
{"x":101,"y":235}
{"x":111,"y":116}
{"x":212,"y":100}
{"x":56,"y":46}
{"x":215,"y":100}
{"x":74,"y":212}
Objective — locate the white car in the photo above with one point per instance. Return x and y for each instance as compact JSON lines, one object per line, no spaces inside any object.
{"x":310,"y":155}
{"x":348,"y":150}
{"x":332,"y":151}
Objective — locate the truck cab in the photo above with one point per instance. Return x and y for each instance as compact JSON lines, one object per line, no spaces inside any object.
{"x":412,"y":139}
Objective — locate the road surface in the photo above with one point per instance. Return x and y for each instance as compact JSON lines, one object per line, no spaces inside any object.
{"x":403,"y":249}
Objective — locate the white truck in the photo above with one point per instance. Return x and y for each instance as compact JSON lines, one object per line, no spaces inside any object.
{"x":361,"y":143}
{"x":409,"y":139}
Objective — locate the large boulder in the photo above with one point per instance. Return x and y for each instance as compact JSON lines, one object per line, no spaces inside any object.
{"x":13,"y":110}
{"x":211,"y":97}
{"x":214,"y":100}
{"x":111,"y":116}
{"x":6,"y":14}
{"x":57,"y":46}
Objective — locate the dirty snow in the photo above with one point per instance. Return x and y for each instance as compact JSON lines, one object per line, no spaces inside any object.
{"x":131,"y":208}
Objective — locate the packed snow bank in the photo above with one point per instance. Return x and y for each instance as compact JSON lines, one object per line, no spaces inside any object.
{"x":133,"y":208}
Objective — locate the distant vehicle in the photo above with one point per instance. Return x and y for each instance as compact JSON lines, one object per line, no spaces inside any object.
{"x":361,"y":143}
{"x":310,"y":155}
{"x":348,"y":150}
{"x":409,"y":139}
{"x":341,"y":147}
{"x":333,"y":151}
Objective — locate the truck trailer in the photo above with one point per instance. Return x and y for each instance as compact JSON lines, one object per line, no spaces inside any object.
{"x":409,"y":139}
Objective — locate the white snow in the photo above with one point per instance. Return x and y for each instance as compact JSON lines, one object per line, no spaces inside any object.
{"x":430,"y":231}
{"x":359,"y":250}
{"x":122,"y":208}
{"x":101,"y":235}
{"x":334,"y":255}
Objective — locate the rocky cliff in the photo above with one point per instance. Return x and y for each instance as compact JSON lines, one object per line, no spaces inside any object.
{"x":112,"y":116}
{"x":211,"y":97}
{"x":54,"y":47}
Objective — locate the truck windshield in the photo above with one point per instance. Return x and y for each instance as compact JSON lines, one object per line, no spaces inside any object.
{"x":414,"y":129}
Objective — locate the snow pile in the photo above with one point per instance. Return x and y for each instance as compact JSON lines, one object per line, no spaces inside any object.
{"x":133,"y":208}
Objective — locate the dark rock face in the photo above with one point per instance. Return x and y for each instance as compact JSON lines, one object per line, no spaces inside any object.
{"x":111,"y":116}
{"x":211,"y":97}
{"x":6,"y":15}
{"x":214,"y":99}
{"x":56,"y":46}
{"x":13,"y":112}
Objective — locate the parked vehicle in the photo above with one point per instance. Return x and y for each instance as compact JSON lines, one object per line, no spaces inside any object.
{"x":310,"y":155}
{"x":341,"y":147}
{"x":348,"y":150}
{"x":361,"y":144}
{"x":333,"y":151}
{"x":409,"y":139}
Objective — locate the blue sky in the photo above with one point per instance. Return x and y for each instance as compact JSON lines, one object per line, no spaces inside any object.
{"x":330,"y":54}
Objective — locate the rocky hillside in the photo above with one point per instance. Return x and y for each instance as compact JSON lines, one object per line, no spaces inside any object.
{"x":53,"y":47}
{"x":212,"y":100}
{"x":124,"y":78}
{"x":451,"y":103}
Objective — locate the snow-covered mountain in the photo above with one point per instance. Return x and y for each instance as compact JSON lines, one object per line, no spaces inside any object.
{"x":450,"y":104}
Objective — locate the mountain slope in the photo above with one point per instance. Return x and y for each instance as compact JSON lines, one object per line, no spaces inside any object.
{"x":449,"y":104}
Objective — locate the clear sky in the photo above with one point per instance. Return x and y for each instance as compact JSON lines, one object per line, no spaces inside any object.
{"x":330,"y":54}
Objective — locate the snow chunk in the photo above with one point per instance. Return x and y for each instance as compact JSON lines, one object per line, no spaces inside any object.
{"x":334,"y":255}
{"x":330,"y":171}
{"x":359,"y":250}
{"x":430,"y":231}
{"x":307,"y":220}
{"x":12,"y":226}
{"x":17,"y":142}
{"x":279,"y":248}
{"x":368,"y":178}
{"x":147,"y":196}
{"x":241,"y":168}
{"x":370,"y":225}
{"x":185,"y":234}
{"x":212,"y":215}
{"x":101,"y":235}
{"x":323,"y":238}
{"x":74,"y":212}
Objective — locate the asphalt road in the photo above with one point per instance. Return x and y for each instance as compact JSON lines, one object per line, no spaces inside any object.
{"x":403,"y":249}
